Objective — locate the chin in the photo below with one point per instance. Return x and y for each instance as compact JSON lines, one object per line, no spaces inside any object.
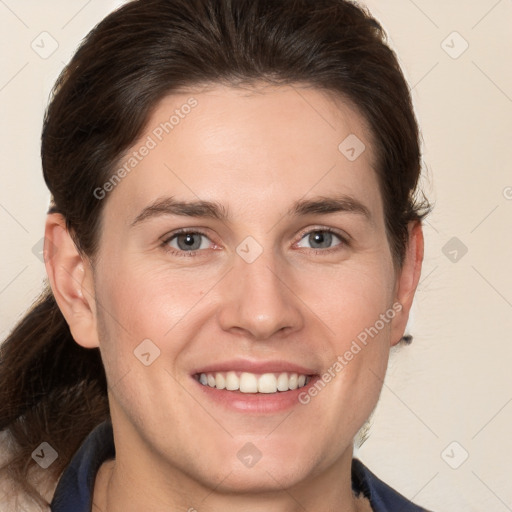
{"x":263,"y":478}
{"x":260,"y":465}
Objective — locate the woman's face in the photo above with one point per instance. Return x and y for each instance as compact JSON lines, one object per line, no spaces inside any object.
{"x":246,"y":239}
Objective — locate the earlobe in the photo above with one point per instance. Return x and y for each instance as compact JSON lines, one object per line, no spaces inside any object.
{"x":408,"y":278}
{"x":70,"y":276}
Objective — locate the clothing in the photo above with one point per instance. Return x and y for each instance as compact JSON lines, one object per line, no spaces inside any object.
{"x":75,"y":488}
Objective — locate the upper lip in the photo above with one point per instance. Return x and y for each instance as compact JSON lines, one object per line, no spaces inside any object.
{"x":245,"y":365}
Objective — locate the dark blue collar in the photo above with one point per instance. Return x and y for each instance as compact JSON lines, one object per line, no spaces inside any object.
{"x":75,"y":488}
{"x":76,"y":485}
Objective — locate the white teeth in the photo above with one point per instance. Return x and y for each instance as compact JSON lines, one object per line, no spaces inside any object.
{"x":232,"y":381}
{"x":282,"y":382}
{"x":220,"y":381}
{"x":267,"y":383}
{"x":247,"y":382}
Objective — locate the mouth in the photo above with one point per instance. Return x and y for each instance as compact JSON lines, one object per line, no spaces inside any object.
{"x":247,"y":382}
{"x":255,"y":387}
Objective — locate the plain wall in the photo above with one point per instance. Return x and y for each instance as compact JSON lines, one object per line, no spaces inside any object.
{"x":453,"y":384}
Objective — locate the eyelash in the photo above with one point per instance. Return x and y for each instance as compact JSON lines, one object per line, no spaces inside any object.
{"x":343,"y":241}
{"x":186,"y":254}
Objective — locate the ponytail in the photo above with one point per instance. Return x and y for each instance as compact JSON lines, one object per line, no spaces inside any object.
{"x":51,"y":390}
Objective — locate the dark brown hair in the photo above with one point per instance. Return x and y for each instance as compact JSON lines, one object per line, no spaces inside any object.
{"x":50,"y":388}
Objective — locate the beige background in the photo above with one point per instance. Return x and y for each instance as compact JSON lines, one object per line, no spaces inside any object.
{"x":453,"y":384}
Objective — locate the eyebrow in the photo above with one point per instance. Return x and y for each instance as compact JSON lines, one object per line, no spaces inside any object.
{"x":171,"y":206}
{"x":213,"y":210}
{"x":327,"y":205}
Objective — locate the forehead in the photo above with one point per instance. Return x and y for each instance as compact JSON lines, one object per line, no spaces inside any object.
{"x":248,"y":148}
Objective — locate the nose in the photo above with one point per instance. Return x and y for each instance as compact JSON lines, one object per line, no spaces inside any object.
{"x":258,"y":300}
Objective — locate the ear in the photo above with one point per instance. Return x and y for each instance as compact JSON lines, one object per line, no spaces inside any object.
{"x":407,"y":280}
{"x":71,"y":280}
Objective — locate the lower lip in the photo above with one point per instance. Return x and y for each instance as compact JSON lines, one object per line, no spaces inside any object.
{"x":258,"y":403}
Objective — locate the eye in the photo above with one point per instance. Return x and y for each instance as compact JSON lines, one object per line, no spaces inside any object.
{"x":321,"y":239}
{"x":187,"y":241}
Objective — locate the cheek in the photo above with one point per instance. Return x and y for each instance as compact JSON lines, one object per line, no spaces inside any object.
{"x":355,"y":304}
{"x":150,"y":302}
{"x":156,"y":304}
{"x":142,"y":312}
{"x":351,"y":299}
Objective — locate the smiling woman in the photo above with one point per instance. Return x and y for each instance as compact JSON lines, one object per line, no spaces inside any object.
{"x":244,"y":278}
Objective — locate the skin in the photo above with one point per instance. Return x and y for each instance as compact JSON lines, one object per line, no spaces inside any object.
{"x":254,"y":151}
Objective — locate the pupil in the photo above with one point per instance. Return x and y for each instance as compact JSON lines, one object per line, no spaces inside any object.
{"x":189,"y":241}
{"x":321,"y":239}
